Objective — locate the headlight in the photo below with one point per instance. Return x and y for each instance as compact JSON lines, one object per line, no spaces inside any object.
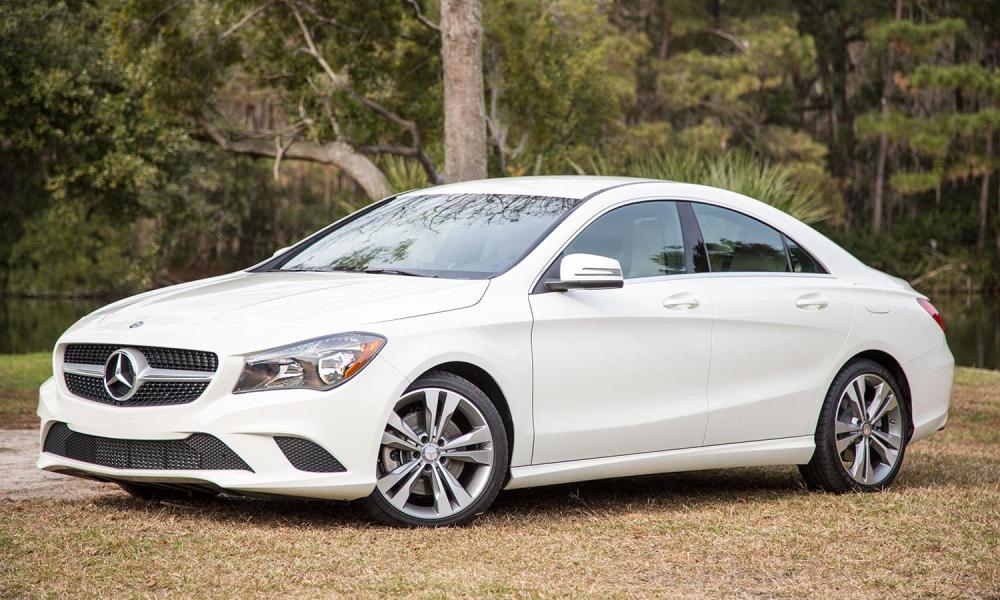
{"x":317,"y":364}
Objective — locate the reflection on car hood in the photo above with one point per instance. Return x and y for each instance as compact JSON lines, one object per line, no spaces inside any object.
{"x":317,"y":303}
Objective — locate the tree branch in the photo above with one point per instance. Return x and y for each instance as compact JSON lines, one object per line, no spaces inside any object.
{"x":340,"y":82}
{"x":358,"y":166}
{"x":422,"y":18}
{"x":246,"y":19}
{"x":433,"y":175}
{"x":740,"y":44}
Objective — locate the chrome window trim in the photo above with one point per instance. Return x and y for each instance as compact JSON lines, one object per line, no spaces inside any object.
{"x":755,"y":274}
{"x":658,"y":198}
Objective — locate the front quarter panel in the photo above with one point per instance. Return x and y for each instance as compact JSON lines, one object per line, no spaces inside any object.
{"x":494,"y":335}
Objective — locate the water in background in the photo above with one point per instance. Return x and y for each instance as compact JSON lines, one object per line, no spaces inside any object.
{"x":33,"y":325}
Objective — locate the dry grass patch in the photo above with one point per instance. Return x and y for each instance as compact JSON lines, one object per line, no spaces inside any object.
{"x":732,"y":533}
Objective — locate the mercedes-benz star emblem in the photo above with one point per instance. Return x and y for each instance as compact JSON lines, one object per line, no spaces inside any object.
{"x":120,"y":374}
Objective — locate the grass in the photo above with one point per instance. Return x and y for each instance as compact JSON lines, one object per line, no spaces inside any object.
{"x":732,"y":533}
{"x":20,"y":376}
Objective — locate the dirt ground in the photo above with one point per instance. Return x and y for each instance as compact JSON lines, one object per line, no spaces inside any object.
{"x":20,"y":480}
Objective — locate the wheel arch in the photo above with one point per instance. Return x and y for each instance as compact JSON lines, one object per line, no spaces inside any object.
{"x":484,"y":381}
{"x":892,"y":365}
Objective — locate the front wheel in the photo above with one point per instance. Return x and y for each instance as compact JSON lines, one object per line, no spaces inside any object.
{"x":861,"y":434}
{"x":443,"y":456}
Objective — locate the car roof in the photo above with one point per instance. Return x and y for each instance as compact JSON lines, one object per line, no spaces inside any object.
{"x":562,"y":186}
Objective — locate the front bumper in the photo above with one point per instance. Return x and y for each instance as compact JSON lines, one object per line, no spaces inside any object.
{"x":347,"y":422}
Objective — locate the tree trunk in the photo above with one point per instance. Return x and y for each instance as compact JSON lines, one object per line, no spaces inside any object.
{"x":996,"y":225}
{"x":883,"y":151}
{"x":464,"y":106}
{"x":883,"y":139}
{"x":984,"y":206}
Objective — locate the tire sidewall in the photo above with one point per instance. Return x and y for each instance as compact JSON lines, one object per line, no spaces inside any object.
{"x":826,"y":437}
{"x":389,"y":514}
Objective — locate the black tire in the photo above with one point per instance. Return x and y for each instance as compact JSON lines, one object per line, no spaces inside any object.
{"x":826,"y":471}
{"x":154,"y":493}
{"x":380,"y":510}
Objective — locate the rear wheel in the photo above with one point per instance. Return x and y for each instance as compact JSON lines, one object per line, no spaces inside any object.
{"x":861,"y":434}
{"x":443,"y":456}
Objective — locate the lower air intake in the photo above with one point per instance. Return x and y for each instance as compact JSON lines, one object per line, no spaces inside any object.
{"x":308,"y":456}
{"x":197,"y":452}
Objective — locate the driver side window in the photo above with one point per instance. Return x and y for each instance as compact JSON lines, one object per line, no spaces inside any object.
{"x":644,"y":237}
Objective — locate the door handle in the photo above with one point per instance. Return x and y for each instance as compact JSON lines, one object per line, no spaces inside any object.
{"x":686,"y":301}
{"x":811,"y":302}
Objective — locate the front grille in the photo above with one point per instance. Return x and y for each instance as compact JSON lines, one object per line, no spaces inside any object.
{"x":158,"y":358}
{"x":308,"y":456}
{"x":150,"y":393}
{"x":197,"y":452}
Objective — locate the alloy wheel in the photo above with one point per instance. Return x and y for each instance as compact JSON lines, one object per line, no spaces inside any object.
{"x":436,"y":456}
{"x":869,"y":429}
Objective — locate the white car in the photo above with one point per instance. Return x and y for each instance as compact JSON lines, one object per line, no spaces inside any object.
{"x":439,"y":345}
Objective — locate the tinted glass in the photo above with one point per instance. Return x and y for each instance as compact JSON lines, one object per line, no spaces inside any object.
{"x":802,"y":261}
{"x":472,"y":236}
{"x":645,"y":238}
{"x":736,"y":243}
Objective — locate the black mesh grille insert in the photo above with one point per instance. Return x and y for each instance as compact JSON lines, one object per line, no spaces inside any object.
{"x":308,"y":456}
{"x":159,"y":358}
{"x":197,"y":452}
{"x":151,"y":393}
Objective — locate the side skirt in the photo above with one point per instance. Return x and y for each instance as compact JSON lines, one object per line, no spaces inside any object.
{"x":784,"y":451}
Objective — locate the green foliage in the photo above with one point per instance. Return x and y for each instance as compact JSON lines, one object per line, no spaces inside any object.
{"x":909,"y":37}
{"x":82,"y":155}
{"x":201,"y":58}
{"x":109,"y":185}
{"x":105,"y":193}
{"x":741,"y":172}
{"x":930,"y":241}
{"x":970,"y":78}
{"x":558,"y":76}
{"x":404,"y":174}
{"x":66,"y":251}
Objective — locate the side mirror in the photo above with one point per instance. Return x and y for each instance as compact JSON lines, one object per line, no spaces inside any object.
{"x":587,"y":271}
{"x":280,"y":251}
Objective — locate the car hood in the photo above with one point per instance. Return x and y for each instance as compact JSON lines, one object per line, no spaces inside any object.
{"x":261,"y":309}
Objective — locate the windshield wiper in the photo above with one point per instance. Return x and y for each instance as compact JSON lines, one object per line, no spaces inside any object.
{"x":395,"y":272}
{"x":375,"y":271}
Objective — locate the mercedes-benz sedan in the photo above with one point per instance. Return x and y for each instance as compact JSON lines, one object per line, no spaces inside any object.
{"x":438,"y":346}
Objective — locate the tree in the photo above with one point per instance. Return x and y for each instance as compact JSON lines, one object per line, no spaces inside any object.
{"x":559,"y":75}
{"x":948,"y":141}
{"x":344,"y":95}
{"x":80,"y":162}
{"x":883,"y":140}
{"x":464,"y":106}
{"x":716,"y":78}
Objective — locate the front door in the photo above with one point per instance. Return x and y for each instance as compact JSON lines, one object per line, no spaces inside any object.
{"x":623,"y":371}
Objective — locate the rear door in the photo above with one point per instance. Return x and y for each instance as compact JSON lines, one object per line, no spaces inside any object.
{"x":780,"y":321}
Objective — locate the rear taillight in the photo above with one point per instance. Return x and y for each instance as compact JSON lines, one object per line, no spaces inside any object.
{"x":933,"y":312}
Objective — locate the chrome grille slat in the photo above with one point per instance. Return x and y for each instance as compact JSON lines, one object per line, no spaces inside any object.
{"x":176,"y":359}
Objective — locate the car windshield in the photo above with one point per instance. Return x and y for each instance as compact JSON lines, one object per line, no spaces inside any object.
{"x":458,"y":236}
